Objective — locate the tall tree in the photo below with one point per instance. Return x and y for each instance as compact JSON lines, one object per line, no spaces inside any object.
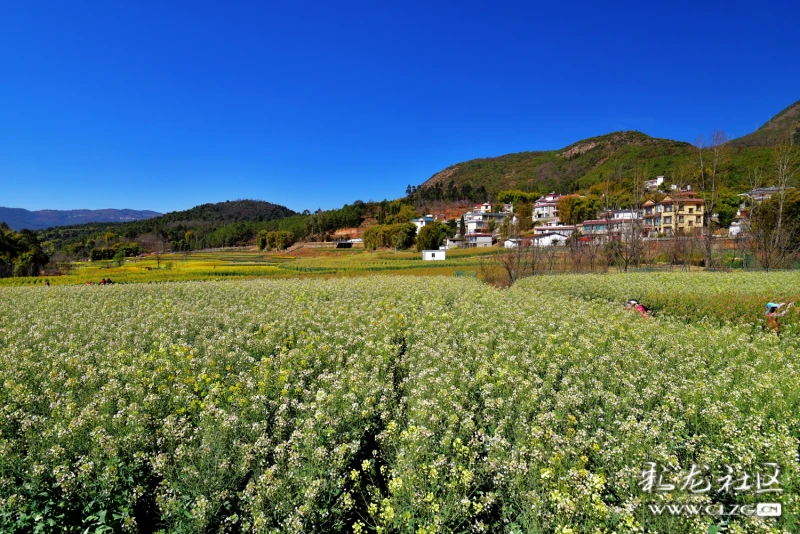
{"x":710,"y":181}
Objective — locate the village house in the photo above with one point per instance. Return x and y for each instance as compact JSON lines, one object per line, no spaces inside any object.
{"x":478,"y":240}
{"x":477,"y":222}
{"x":679,"y":213}
{"x":421,"y":222}
{"x":652,"y":185}
{"x":435,"y":255}
{"x":454,"y":242}
{"x":546,"y":207}
{"x":560,"y":229}
{"x":549,"y":239}
{"x":606,"y":229}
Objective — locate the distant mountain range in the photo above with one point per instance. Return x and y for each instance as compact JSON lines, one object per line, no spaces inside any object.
{"x":18,"y":218}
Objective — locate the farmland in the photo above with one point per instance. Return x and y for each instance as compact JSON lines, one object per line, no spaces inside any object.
{"x":392,"y":403}
{"x":248,"y":264}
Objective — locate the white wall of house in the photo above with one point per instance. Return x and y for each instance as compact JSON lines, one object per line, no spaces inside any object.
{"x":479,"y":240}
{"x":549,"y":240}
{"x":434,"y":255}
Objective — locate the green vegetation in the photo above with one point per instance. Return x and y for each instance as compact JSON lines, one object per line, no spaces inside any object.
{"x":274,"y":240}
{"x":432,"y":236}
{"x":21,"y":254}
{"x":616,"y":157}
{"x":391,"y":404}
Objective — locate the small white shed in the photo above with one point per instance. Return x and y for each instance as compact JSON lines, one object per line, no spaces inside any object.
{"x":435,"y":255}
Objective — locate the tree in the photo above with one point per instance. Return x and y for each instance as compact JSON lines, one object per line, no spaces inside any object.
{"x":710,"y":181}
{"x":524,"y":214}
{"x":462,"y":226}
{"x":119,"y":257}
{"x":431,"y":236}
{"x":21,"y":253}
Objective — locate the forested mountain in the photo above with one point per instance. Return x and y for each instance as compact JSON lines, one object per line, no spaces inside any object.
{"x":18,"y":218}
{"x":220,"y":224}
{"x":615,"y":157}
{"x":231,"y":223}
{"x":786,"y":123}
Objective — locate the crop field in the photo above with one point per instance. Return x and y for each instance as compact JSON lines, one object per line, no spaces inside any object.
{"x":224,"y":265}
{"x":398,"y":404}
{"x":736,"y":297}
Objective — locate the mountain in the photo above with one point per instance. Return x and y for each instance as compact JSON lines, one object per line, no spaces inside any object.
{"x":220,"y":224}
{"x":594,"y":160}
{"x":228,"y":211}
{"x":578,"y":165}
{"x":18,"y":218}
{"x":786,"y":123}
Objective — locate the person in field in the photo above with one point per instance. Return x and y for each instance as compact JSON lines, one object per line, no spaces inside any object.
{"x":774,"y":313}
{"x":637,"y":306}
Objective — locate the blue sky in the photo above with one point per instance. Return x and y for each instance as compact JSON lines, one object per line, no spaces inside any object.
{"x":166,"y":105}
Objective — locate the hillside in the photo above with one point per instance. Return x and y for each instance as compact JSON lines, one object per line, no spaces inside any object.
{"x":578,"y":165}
{"x":785,"y":123}
{"x":18,"y":218}
{"x":219,"y":224}
{"x":590,"y":161}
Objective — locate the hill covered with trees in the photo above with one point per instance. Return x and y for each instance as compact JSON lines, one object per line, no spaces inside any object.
{"x":615,"y":157}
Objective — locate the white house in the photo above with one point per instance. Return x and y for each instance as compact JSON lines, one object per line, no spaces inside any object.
{"x":560,"y":229}
{"x":486,"y":207}
{"x":550,"y":239}
{"x":421,"y":222}
{"x":516,"y":242}
{"x":477,"y":222}
{"x":623,"y":215}
{"x":652,"y":185}
{"x":478,"y":240}
{"x":546,"y":207}
{"x":454,"y":242}
{"x":435,"y":255}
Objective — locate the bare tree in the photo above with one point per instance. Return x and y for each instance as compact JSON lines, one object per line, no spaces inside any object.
{"x":709,"y":182}
{"x":786,"y":161}
{"x":550,"y":253}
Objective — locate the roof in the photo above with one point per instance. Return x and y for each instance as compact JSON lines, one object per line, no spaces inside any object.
{"x":606,"y":221}
{"x":478,"y":235}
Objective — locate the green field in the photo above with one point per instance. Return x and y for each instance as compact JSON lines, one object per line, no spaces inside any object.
{"x":391,"y":404}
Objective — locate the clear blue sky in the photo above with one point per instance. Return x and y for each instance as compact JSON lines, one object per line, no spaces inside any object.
{"x":165,"y":105}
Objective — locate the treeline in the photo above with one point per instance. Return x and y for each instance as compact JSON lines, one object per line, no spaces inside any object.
{"x":404,"y":235}
{"x":449,"y":192}
{"x":216,"y":227}
{"x":21,"y":253}
{"x":400,"y":235}
{"x":274,"y":240}
{"x":117,"y":251}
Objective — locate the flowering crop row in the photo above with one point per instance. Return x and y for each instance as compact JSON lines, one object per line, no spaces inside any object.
{"x":373,"y":405}
{"x":737,"y":298}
